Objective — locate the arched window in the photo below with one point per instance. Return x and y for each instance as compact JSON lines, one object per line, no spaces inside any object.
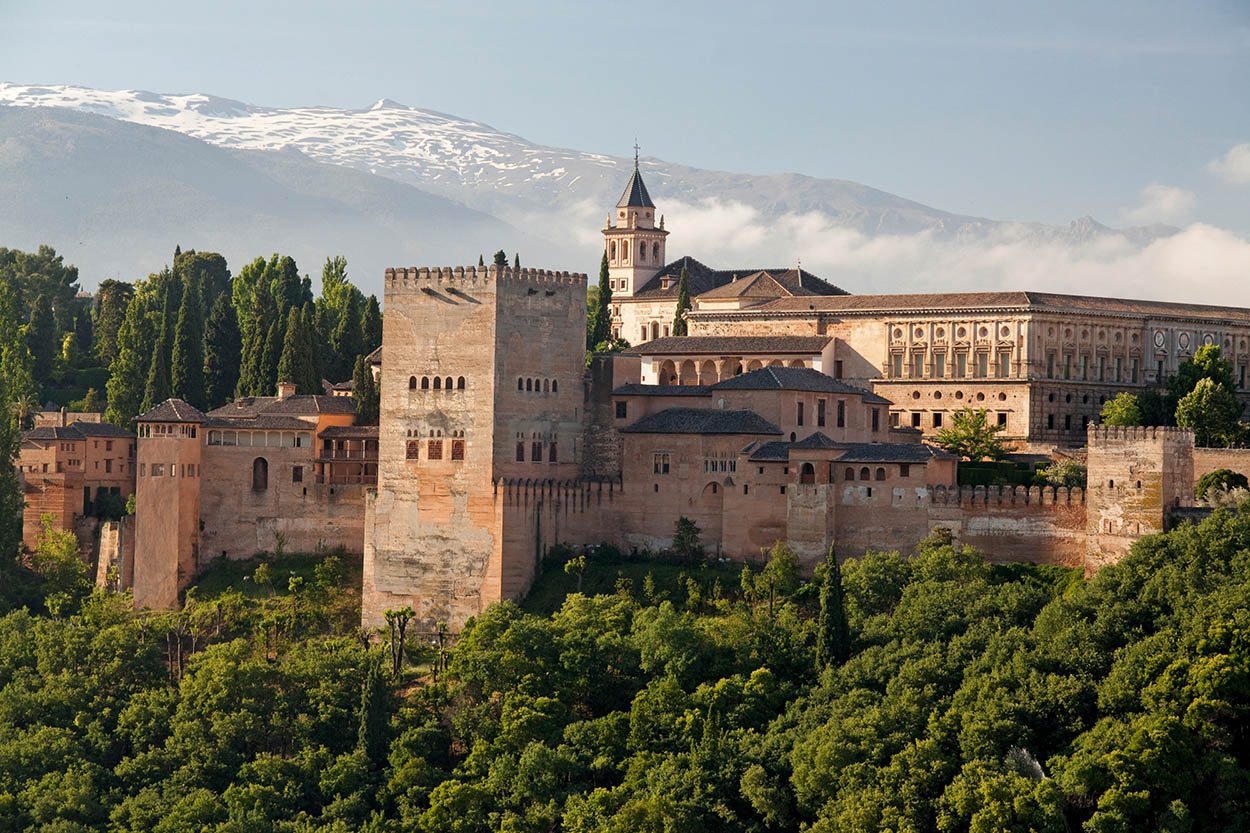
{"x":655,"y":329}
{"x":849,"y":474}
{"x":520,"y":383}
{"x":260,"y":474}
{"x":447,"y":384}
{"x":642,"y":253}
{"x":529,"y":385}
{"x":865,"y":474}
{"x":546,"y":386}
{"x":412,"y":383}
{"x":438,"y":383}
{"x":425,"y":383}
{"x":555,"y":386}
{"x":655,"y":251}
{"x":411,"y":452}
{"x":460,"y":383}
{"x":612,"y":250}
{"x":807,"y":474}
{"x":880,"y":473}
{"x":625,"y":251}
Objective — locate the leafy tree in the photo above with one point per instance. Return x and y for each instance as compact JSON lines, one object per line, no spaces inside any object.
{"x":187,"y":371}
{"x":1222,"y":479}
{"x":69,"y":352}
{"x":1125,"y":409}
{"x":222,"y":353}
{"x":1208,"y":362}
{"x":686,"y":544}
{"x":599,"y":328}
{"x":372,"y":325}
{"x":158,"y":387}
{"x":286,"y":286}
{"x":129,"y":370}
{"x":1065,"y":472}
{"x":971,"y":436}
{"x":683,"y":303}
{"x":833,"y":634}
{"x":31,"y":274}
{"x":365,"y":393}
{"x":42,"y":338}
{"x":57,"y":561}
{"x":501,"y":259}
{"x":1211,"y":410}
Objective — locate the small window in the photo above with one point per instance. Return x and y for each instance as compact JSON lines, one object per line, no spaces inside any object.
{"x":434,"y":450}
{"x":820,"y":413}
{"x":849,"y":474}
{"x":536,"y":452}
{"x":622,"y":409}
{"x":660,"y":463}
{"x":904,"y":470}
{"x":297,"y":474}
{"x":438,"y":383}
{"x":447,"y":384}
{"x":411,"y":452}
{"x":551,"y":453}
{"x":425,"y":383}
{"x":260,"y":474}
{"x":799,"y":414}
{"x":412,"y":383}
{"x":555,"y":386}
{"x":520,"y":452}
{"x":937,"y":419}
{"x":783,"y":490}
{"x":1002,"y":419}
{"x":520,"y":383}
{"x":807,"y":474}
{"x":529,"y":385}
{"x":915,"y":420}
{"x":457,"y":449}
{"x":876,"y":420}
{"x":880,"y":472}
{"x":865,"y":474}
{"x":460,"y":383}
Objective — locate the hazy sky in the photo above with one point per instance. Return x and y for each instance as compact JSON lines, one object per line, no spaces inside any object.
{"x":1043,"y":111}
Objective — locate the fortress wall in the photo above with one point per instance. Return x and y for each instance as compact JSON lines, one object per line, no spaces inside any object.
{"x":1207,"y":460}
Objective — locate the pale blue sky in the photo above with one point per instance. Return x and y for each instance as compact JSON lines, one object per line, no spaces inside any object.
{"x":1031,"y":111}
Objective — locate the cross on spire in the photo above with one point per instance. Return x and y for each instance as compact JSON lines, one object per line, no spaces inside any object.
{"x":635,"y":153}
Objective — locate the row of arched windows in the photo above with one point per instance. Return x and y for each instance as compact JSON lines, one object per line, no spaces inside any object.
{"x":642,"y":251}
{"x":531,"y":385}
{"x":438,"y":383}
{"x":434,"y":446}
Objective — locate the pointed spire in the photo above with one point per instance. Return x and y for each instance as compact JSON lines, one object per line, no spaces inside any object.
{"x":635,"y":154}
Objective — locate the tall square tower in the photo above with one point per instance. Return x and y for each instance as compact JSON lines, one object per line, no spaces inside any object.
{"x":481,"y":388}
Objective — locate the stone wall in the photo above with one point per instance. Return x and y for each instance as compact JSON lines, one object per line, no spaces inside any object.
{"x":167,"y":517}
{"x":1207,"y":460}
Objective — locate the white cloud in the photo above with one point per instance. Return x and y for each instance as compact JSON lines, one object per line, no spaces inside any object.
{"x":1162,"y":204}
{"x":1201,"y":263}
{"x":1233,"y":166}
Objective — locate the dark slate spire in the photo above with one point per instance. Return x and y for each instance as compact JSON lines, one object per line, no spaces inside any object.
{"x":635,"y":195}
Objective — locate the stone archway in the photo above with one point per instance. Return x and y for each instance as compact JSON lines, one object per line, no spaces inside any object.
{"x":688,"y":375}
{"x":754,"y":364}
{"x":798,"y":363}
{"x":711,"y":515}
{"x":707,"y":373}
{"x":668,"y":373}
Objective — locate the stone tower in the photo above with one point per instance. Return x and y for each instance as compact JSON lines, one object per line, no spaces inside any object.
{"x":167,"y":502}
{"x":1136,"y":476}
{"x":633,"y":241}
{"x":481,"y":430}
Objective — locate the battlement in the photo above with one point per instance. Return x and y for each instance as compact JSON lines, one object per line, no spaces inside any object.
{"x":1019,"y":496}
{"x":1139,"y":433}
{"x":414,"y":277}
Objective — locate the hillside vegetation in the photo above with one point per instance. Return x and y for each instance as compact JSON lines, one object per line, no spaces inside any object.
{"x":968,"y":698}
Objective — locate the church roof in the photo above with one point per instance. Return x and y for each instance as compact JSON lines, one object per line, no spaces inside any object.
{"x":741,"y":345}
{"x":784,"y":281}
{"x":635,"y":195}
{"x":702,"y":421}
{"x":172,"y":410}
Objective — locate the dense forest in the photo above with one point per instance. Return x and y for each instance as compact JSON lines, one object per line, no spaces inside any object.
{"x":191,"y":330}
{"x":923,"y":693}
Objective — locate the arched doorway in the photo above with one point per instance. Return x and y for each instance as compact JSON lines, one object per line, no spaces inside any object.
{"x":807,"y":474}
{"x":711,"y":515}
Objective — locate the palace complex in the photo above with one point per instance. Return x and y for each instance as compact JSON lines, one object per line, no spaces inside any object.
{"x":792,"y":411}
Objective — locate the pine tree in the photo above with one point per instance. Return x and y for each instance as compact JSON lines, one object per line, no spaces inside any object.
{"x":347,"y":337}
{"x":187,"y":360}
{"x":833,"y":633}
{"x":42,"y":338}
{"x":158,"y":388}
{"x":129,"y":370}
{"x":372,"y":326}
{"x":364,"y":393}
{"x":222,"y":353}
{"x":601,"y":319}
{"x":683,"y":303}
{"x":268,"y":379}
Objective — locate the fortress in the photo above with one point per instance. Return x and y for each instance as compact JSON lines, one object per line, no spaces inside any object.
{"x":792,"y":411}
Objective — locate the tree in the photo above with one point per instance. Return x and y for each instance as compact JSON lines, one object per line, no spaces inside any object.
{"x":346,"y":339}
{"x":83,"y":331}
{"x":1224,"y":480}
{"x":971,"y":436}
{"x":157,"y":389}
{"x":481,"y":261}
{"x":372,"y":325}
{"x":576,"y":567}
{"x":129,"y":370}
{"x":397,"y":623}
{"x":187,"y":360}
{"x":686,"y":545}
{"x":42,"y":338}
{"x":1065,"y":472}
{"x":1211,"y":409}
{"x":334,"y":284}
{"x":286,"y":286}
{"x":833,"y":631}
{"x":255,"y":327}
{"x":57,"y":560}
{"x":600,"y":326}
{"x":501,"y":259}
{"x":209,"y":270}
{"x":364,"y":393}
{"x":222,"y":353}
{"x":1123,"y":410}
{"x":374,"y":715}
{"x":683,"y":303}
{"x":516,"y":261}
{"x":295,"y":364}
{"x":1207,"y":363}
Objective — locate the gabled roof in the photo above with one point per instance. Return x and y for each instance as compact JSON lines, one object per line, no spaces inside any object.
{"x":816,"y":440}
{"x":299,"y":405}
{"x":52,"y":432}
{"x":691,"y":345}
{"x":703,"y":278}
{"x":365,"y":432}
{"x":796,"y":378}
{"x":635,"y":195}
{"x":100,"y":429}
{"x":775,"y":451}
{"x":635,"y":389}
{"x":172,"y":410}
{"x":702,"y":421}
{"x":375,"y":357}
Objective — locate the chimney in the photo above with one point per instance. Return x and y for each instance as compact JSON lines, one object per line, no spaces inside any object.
{"x":64,"y":416}
{"x":286,"y":389}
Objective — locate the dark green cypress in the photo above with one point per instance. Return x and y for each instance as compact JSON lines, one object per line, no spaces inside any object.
{"x":364,"y":393}
{"x":308,"y":330}
{"x":287,"y":288}
{"x":601,"y":322}
{"x":833,"y":634}
{"x":268,"y":380}
{"x":516,"y":261}
{"x":128,"y":371}
{"x":293,"y":364}
{"x":255,"y":338}
{"x":187,"y":359}
{"x":42,"y":338}
{"x":374,"y":716}
{"x":372,"y":326}
{"x":501,"y":259}
{"x":347,"y":337}
{"x":683,"y":303}
{"x":158,"y":390}
{"x":114,"y":297}
{"x":222,"y":353}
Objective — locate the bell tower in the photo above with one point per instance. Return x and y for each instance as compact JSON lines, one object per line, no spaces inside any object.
{"x":633,"y":240}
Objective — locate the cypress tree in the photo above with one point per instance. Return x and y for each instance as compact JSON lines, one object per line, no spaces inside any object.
{"x":222,"y":353}
{"x":274,"y":344}
{"x":291,"y":365}
{"x":372,"y":326}
{"x":255,"y":338}
{"x":480,"y":261}
{"x":374,"y":716}
{"x":501,"y":259}
{"x":157,"y":389}
{"x":364,"y":393}
{"x":41,"y":338}
{"x":83,"y":331}
{"x":128,"y":371}
{"x":601,"y":320}
{"x":308,"y":330}
{"x":833,"y":633}
{"x":114,"y":297}
{"x":187,"y":360}
{"x":683,"y":303}
{"x":286,"y":286}
{"x":516,"y":261}
{"x":346,"y":341}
